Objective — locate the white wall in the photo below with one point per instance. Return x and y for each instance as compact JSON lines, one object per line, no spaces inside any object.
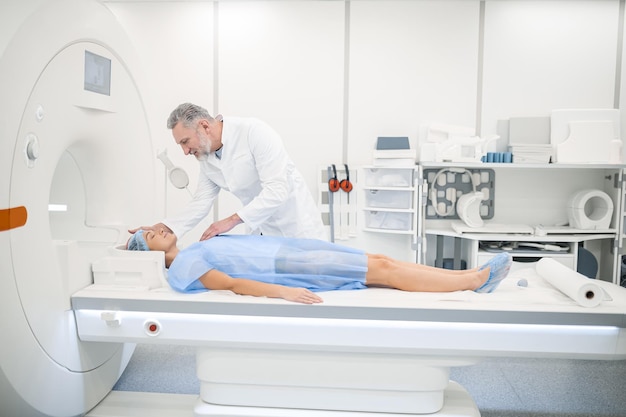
{"x":175,"y":43}
{"x":282,"y":61}
{"x":331,"y":76}
{"x":544,"y":55}
{"x":411,"y":63}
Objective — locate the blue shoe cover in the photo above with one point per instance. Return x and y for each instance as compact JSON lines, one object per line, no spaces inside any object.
{"x":499,"y":268}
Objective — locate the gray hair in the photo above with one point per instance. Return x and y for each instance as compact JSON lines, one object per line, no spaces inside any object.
{"x":187,"y":114}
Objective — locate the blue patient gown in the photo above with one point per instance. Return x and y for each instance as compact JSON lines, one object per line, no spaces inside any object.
{"x":305,"y":263}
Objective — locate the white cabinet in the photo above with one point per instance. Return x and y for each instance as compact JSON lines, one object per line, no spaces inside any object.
{"x":393,"y":202}
{"x":535,"y":195}
{"x":390,"y":199}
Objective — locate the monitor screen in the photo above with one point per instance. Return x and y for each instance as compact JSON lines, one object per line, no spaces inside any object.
{"x":97,"y":73}
{"x":385,"y":143}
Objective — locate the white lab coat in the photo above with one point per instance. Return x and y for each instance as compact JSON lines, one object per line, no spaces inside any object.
{"x":255,"y":167}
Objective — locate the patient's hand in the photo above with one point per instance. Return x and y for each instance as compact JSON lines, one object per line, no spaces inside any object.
{"x":300,"y":295}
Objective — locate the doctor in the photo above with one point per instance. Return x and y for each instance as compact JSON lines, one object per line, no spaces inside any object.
{"x":246,"y":157}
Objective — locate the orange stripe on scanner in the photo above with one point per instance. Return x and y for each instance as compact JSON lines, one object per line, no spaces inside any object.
{"x":12,"y":218}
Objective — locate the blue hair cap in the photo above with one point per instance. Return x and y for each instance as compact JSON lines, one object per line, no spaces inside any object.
{"x":137,"y":242}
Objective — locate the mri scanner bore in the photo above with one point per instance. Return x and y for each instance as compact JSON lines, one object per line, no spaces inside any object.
{"x":70,"y":104}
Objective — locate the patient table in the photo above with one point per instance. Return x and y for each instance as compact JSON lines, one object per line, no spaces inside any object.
{"x":373,"y":352}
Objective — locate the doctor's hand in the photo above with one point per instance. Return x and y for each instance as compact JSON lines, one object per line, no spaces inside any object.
{"x":300,"y":295}
{"x":221,"y":226}
{"x":157,"y":226}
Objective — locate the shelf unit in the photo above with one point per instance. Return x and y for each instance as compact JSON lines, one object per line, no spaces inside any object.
{"x":389,"y":195}
{"x":393,"y":202}
{"x":537,"y":194}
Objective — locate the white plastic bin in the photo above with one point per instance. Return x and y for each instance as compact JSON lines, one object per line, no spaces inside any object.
{"x":388,"y":199}
{"x":388,"y":177}
{"x":388,"y":220}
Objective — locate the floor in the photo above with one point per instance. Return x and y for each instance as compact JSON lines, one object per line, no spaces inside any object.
{"x":501,"y":387}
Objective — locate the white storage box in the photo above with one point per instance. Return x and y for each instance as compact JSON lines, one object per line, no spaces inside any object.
{"x":388,"y":199}
{"x":388,"y":220}
{"x":131,"y":269}
{"x":388,"y":177}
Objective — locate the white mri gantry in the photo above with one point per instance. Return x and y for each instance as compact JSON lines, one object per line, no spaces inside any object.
{"x":65,"y":342}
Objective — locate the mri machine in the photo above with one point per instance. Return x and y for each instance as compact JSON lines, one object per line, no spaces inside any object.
{"x":68,"y":135}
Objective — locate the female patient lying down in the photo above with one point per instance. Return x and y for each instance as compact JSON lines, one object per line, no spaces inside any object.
{"x":294,"y":269}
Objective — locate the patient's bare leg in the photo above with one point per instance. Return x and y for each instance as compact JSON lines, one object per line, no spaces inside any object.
{"x":421,"y":267}
{"x":388,"y":272}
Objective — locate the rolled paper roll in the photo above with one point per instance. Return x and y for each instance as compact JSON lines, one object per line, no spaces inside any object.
{"x":571,"y":283}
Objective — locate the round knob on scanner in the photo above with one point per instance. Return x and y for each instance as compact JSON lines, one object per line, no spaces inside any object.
{"x":32,"y":149}
{"x":39,"y":113}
